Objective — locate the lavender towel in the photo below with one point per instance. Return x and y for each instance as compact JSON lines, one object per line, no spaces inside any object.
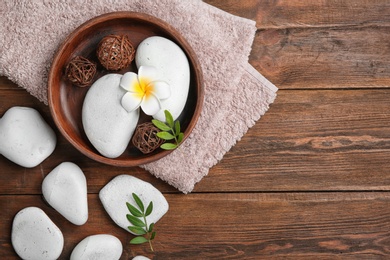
{"x":236,"y":95}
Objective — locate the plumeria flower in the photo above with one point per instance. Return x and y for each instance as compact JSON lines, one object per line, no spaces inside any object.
{"x":144,"y":90}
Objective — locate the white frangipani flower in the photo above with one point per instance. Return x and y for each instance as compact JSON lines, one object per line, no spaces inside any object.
{"x":144,"y":90}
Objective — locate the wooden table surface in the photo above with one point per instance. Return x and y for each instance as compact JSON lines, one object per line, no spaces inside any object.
{"x":310,"y":180}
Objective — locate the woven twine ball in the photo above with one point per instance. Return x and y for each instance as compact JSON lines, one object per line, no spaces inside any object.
{"x":80,"y":71}
{"x":115,"y":52}
{"x":145,"y":138}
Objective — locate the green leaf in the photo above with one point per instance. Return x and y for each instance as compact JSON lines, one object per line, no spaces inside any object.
{"x":151,"y":227}
{"x":177,"y":128}
{"x":135,"y":221}
{"x":149,"y":209}
{"x":160,"y":125}
{"x":134,"y":211}
{"x":137,"y":230}
{"x":153,"y":235}
{"x":165,"y":136}
{"x":138,"y":240}
{"x":180,"y":138}
{"x":168,"y":118}
{"x":139,"y":202}
{"x":137,"y":218}
{"x":168,"y":146}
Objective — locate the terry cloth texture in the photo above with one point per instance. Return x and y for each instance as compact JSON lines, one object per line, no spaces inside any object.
{"x":236,"y":95}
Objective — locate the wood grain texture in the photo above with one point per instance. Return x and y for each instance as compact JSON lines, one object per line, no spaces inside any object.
{"x":270,"y":225}
{"x":337,"y":44}
{"x":271,"y":14}
{"x":312,"y":140}
{"x":311,"y":180}
{"x":327,"y":57}
{"x":309,"y":140}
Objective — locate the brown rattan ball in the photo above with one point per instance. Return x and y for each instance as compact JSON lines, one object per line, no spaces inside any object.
{"x":80,"y":71}
{"x":145,"y":138}
{"x":115,"y":52}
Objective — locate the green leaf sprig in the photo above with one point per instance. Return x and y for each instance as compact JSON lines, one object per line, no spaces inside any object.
{"x":170,"y":130}
{"x":137,"y":218}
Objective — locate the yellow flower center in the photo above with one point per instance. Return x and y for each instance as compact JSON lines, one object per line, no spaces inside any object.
{"x":145,"y":87}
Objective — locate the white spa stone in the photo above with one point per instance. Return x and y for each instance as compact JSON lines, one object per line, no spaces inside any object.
{"x":108,"y":126}
{"x":98,"y":247}
{"x":35,"y":236}
{"x":65,"y":189}
{"x":119,"y":191}
{"x":140,"y":257}
{"x":25,"y":138}
{"x":173,"y":66}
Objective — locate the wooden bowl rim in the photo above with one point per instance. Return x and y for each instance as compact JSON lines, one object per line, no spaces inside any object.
{"x":185,"y":46}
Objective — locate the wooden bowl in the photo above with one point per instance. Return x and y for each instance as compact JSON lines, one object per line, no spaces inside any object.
{"x":66,"y":100}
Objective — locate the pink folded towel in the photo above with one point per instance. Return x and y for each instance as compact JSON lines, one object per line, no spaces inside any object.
{"x":236,"y":95}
